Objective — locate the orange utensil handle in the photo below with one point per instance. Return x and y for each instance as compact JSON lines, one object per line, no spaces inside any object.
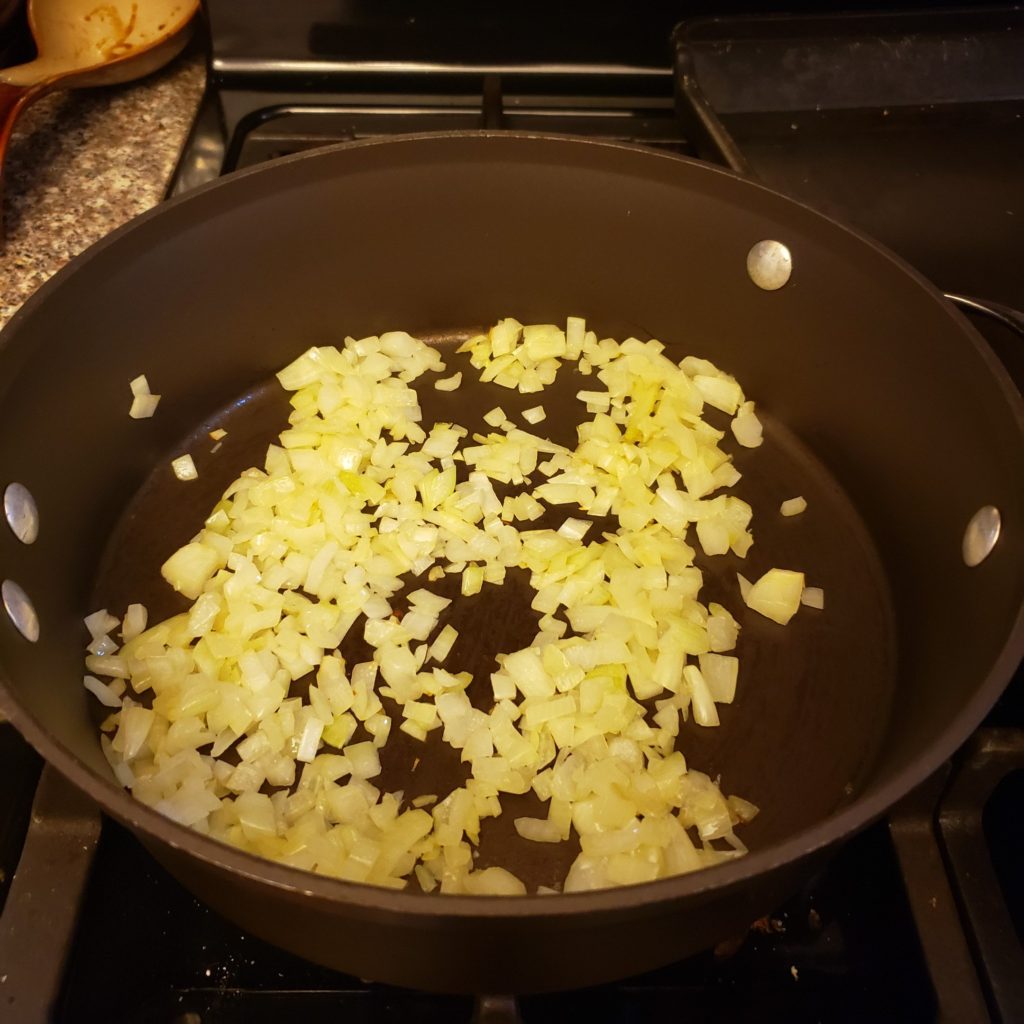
{"x":13,"y":100}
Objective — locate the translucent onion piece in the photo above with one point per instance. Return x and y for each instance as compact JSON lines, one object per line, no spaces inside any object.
{"x":452,"y":383}
{"x":143,"y":406}
{"x":793,"y":506}
{"x":776,"y":595}
{"x":184,"y":468}
{"x":746,"y":427}
{"x":134,"y":622}
{"x":100,"y":623}
{"x":103,"y":692}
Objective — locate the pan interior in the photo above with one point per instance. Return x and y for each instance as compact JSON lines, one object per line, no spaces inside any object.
{"x":813,"y":697}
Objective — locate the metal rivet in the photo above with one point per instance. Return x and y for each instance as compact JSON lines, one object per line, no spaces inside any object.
{"x":20,"y":610}
{"x":769,"y":264}
{"x":981,"y":535}
{"x":21,"y":512}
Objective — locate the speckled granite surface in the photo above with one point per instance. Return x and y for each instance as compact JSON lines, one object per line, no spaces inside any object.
{"x":82,"y":163}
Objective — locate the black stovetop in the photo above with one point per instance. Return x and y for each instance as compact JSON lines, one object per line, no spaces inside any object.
{"x":921,"y":917}
{"x":843,"y":949}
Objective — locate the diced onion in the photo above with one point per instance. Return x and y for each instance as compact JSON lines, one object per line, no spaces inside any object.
{"x":101,"y":623}
{"x":746,"y":427}
{"x":103,"y":692}
{"x":538,"y":830}
{"x":813,"y":597}
{"x":494,"y":882}
{"x":134,"y":622}
{"x":184,"y":468}
{"x":776,"y":595}
{"x":574,"y":529}
{"x":360,"y":494}
{"x":441,"y":647}
{"x":452,"y":383}
{"x":144,"y":403}
{"x":143,"y":406}
{"x":793,"y":506}
{"x":719,"y":672}
{"x":310,"y":740}
{"x":190,"y":567}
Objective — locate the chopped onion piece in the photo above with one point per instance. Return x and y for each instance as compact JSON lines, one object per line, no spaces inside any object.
{"x":744,"y":810}
{"x":536,"y":414}
{"x":452,"y":383}
{"x":112,"y":665}
{"x":813,"y":597}
{"x":723,"y":630}
{"x":190,"y":567}
{"x":441,"y":647}
{"x":494,"y":882}
{"x":144,"y":403}
{"x":746,"y":427}
{"x":776,"y":595}
{"x":103,"y":692}
{"x":184,"y":468}
{"x":793,"y":506}
{"x":143,"y":406}
{"x":574,"y":529}
{"x":134,"y":622}
{"x":309,"y":742}
{"x":720,"y":391}
{"x":100,"y":623}
{"x":218,"y":434}
{"x":704,"y":711}
{"x":472,"y":580}
{"x":413,"y":729}
{"x":365,"y":760}
{"x":136,"y":722}
{"x":719,"y":672}
{"x":538,"y":830}
{"x":102,"y":645}
{"x":596,"y":400}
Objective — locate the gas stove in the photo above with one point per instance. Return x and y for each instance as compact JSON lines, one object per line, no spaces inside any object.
{"x":908,"y":125}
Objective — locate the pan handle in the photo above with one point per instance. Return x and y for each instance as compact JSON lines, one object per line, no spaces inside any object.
{"x":13,"y":100}
{"x":993,"y":310}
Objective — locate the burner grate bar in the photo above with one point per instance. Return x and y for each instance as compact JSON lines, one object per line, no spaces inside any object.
{"x":912,"y":828}
{"x":39,"y":916}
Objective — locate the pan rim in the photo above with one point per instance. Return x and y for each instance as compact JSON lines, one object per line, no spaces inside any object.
{"x":864,"y":809}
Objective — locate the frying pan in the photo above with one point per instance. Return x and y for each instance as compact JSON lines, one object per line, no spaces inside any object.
{"x":883,"y":407}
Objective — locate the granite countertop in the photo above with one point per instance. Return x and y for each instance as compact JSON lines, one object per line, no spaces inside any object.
{"x":81,"y":163}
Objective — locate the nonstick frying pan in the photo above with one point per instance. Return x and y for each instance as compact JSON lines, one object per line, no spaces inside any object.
{"x":883,"y":407}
